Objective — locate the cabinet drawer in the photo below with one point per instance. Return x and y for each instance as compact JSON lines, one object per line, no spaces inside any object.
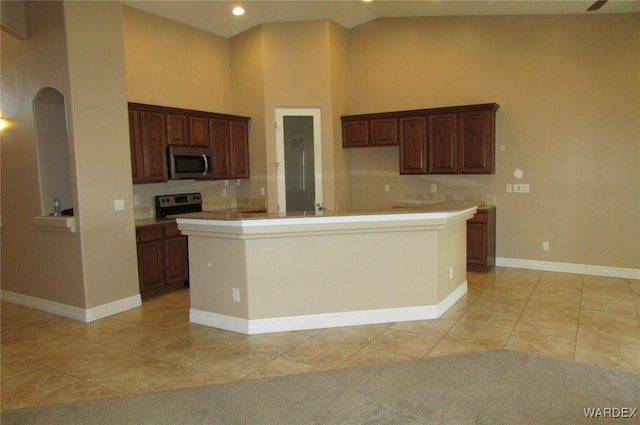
{"x":149,"y":233}
{"x":171,"y":230}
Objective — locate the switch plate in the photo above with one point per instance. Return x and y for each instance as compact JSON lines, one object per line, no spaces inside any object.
{"x":262,"y":191}
{"x":509,"y":188}
{"x":118,"y":204}
{"x":545,"y":246}
{"x":387,"y":187}
{"x":520,"y":188}
{"x":136,"y":200}
{"x":235,"y":294}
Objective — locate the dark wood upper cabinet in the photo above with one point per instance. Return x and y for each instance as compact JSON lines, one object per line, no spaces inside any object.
{"x":177,"y":130}
{"x":230,"y":145}
{"x":355,"y":133}
{"x":383,"y":132}
{"x":153,"y":128}
{"x":477,"y":142}
{"x":187,"y":130}
{"x":413,"y":145}
{"x":148,"y":144}
{"x":137,"y":153}
{"x":238,"y":149}
{"x":451,"y":140}
{"x":443,"y":144}
{"x":199,"y":131}
{"x":219,"y":131}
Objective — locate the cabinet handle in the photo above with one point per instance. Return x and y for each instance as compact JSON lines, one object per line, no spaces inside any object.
{"x":206,"y":164}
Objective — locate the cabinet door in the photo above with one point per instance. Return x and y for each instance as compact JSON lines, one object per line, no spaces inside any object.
{"x":476,"y":243}
{"x":476,"y":142}
{"x":383,"y":131}
{"x":238,"y":149}
{"x":413,"y":145}
{"x":176,"y":259}
{"x":198,"y":131}
{"x":151,"y":265}
{"x":154,"y":142}
{"x":177,"y":130}
{"x":137,"y":152}
{"x":219,"y":136}
{"x":355,"y":133}
{"x":443,"y":144}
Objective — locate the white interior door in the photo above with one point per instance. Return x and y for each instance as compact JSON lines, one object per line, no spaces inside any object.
{"x":299,"y":159}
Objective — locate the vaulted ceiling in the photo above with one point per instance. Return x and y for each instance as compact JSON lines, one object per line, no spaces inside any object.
{"x":216,"y":17}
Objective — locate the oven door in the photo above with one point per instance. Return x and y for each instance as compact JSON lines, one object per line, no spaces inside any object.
{"x":190,"y":163}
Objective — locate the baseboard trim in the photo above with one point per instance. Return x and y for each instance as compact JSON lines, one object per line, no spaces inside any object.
{"x":551,"y":266}
{"x":452,"y":298}
{"x":326,"y":320}
{"x":71,"y":312}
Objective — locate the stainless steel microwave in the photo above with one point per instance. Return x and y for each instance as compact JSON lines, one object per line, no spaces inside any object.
{"x":189,"y":162}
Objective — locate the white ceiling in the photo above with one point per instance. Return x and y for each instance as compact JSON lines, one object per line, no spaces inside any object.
{"x":215,"y":15}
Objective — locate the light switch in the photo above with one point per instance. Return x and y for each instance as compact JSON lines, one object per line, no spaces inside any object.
{"x":118,"y":204}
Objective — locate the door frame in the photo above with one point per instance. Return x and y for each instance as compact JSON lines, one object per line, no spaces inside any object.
{"x":316,"y":113}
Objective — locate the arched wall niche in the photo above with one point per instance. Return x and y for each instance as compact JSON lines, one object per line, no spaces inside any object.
{"x":50,"y":120}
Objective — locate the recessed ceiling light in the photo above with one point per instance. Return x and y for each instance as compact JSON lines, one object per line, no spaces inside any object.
{"x":238,"y":11}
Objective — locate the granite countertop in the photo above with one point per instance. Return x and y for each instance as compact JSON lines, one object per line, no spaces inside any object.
{"x":448,"y":206}
{"x":155,"y":221}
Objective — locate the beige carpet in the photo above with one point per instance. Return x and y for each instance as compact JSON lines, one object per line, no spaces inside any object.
{"x":495,"y":387}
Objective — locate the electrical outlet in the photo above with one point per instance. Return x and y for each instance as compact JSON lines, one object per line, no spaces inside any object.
{"x":262,"y":191}
{"x":224,"y":192}
{"x":235,"y":294}
{"x":509,"y":188}
{"x":434,"y":187}
{"x":136,"y":200}
{"x":545,"y":246}
{"x":387,"y":187}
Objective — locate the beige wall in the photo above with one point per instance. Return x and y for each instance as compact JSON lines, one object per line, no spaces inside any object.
{"x":171,"y":64}
{"x":99,"y":127}
{"x":569,"y":90}
{"x":297,"y":72}
{"x":34,"y":262}
{"x":248,"y":93}
{"x":75,"y":47}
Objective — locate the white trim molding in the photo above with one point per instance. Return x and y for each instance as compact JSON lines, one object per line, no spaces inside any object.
{"x":326,"y":320}
{"x":551,"y":266}
{"x":71,"y":312}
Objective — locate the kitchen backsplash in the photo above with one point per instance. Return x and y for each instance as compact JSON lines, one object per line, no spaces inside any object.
{"x":143,"y":212}
{"x":432,"y":198}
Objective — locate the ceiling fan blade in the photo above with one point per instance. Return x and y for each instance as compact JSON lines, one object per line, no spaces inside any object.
{"x":597,"y":5}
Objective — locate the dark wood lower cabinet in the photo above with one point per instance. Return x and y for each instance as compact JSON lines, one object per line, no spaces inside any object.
{"x":481,"y":240}
{"x":163,"y":259}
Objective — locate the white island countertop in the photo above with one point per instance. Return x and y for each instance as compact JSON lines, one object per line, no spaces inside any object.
{"x":258,"y":273}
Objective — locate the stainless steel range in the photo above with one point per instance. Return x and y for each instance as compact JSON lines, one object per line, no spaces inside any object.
{"x":178,"y":204}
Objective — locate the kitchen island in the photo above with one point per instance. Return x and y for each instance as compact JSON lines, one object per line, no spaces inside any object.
{"x":261,"y":273}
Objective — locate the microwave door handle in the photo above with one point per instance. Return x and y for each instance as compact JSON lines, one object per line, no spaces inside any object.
{"x":206,"y":165}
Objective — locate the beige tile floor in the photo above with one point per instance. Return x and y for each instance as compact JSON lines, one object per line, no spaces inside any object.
{"x":48,"y":359}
